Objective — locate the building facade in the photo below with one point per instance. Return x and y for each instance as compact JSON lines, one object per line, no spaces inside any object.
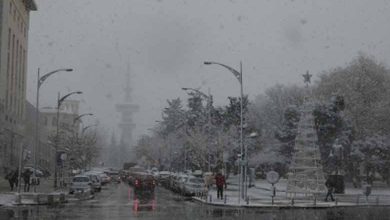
{"x":69,"y":110}
{"x":67,"y":127}
{"x":45,"y":151}
{"x":14,"y":26}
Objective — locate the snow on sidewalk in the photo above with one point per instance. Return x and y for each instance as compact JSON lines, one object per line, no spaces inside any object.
{"x":261,"y":196}
{"x":7,"y":199}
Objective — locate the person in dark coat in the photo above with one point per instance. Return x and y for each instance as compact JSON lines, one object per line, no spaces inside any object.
{"x":329,"y":184}
{"x":26,"y":177}
{"x":12,"y":178}
{"x":220,"y":182}
{"x":9,"y":178}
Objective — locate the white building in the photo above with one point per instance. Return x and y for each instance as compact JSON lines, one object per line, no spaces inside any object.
{"x":14,"y":26}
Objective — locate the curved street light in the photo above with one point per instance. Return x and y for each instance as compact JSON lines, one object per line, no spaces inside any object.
{"x":40,"y":81}
{"x":59,"y":102}
{"x":84,"y":129}
{"x":44,"y":77}
{"x":238,"y":75}
{"x":197,"y":92}
{"x":78,"y":118}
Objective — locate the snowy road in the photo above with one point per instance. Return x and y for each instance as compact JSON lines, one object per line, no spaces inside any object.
{"x":115,"y":203}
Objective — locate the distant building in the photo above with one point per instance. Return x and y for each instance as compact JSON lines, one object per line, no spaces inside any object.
{"x":126,"y":125}
{"x":48,"y":126}
{"x":14,"y":26}
{"x":69,"y":110}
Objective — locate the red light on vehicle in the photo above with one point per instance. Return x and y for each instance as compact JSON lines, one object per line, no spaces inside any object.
{"x":136,"y":205}
{"x":137,"y":183}
{"x":154,"y":205}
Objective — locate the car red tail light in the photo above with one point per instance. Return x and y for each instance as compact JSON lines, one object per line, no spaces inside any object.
{"x":136,"y":183}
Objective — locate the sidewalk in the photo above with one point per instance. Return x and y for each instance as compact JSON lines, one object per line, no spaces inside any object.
{"x":261,"y":196}
{"x":46,"y":186}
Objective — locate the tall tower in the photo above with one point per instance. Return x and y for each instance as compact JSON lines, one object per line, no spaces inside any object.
{"x":306,"y":175}
{"x":126,"y":124}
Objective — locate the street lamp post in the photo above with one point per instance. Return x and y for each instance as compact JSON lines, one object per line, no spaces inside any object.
{"x":40,"y":81}
{"x":78,"y":118}
{"x":238,"y":75}
{"x":209,"y":104}
{"x":59,"y":102}
{"x":84,"y":129}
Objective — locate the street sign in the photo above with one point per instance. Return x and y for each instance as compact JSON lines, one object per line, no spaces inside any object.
{"x":272,"y":177}
{"x":63,"y":156}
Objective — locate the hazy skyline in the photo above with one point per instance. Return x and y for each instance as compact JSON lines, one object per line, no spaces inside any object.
{"x":166,"y":41}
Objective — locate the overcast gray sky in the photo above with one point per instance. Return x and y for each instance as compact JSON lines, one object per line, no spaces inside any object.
{"x":166,"y":41}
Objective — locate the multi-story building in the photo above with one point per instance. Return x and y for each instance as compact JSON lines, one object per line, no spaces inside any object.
{"x":67,"y":127}
{"x":69,"y":110}
{"x":14,"y":26}
{"x":46,"y":150}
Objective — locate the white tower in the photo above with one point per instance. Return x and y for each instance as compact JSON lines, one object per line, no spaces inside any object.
{"x":126,"y":124}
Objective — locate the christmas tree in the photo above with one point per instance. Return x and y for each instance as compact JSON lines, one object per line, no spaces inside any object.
{"x":306,"y":175}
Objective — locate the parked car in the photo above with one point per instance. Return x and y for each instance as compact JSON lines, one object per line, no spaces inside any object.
{"x":164,"y":178}
{"x":95,"y":180}
{"x":178,"y":184}
{"x":104,"y":178}
{"x":81,"y":184}
{"x":209,"y":179}
{"x":154,"y":172}
{"x":193,"y":186}
{"x":114,"y":176}
{"x":197,"y":173}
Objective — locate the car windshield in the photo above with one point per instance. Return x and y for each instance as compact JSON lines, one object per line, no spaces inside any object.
{"x":80,"y":179}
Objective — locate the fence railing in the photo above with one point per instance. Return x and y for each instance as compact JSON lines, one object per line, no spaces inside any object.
{"x":283,"y":201}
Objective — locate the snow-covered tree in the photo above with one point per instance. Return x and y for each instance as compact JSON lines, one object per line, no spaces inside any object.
{"x":365,"y":87}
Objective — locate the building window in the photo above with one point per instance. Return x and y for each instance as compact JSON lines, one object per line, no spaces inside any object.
{"x":16,"y":94}
{"x":20,"y":67}
{"x":9,"y":39}
{"x":11,"y":83}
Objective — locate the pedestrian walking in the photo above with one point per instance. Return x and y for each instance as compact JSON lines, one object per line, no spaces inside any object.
{"x":329,"y":184}
{"x":12,"y":178}
{"x":15,"y":178}
{"x":26,"y":178}
{"x":8,"y":178}
{"x":221,"y":183}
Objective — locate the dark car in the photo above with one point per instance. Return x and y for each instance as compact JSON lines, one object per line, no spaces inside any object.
{"x":144,"y":201}
{"x":143,"y":182}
